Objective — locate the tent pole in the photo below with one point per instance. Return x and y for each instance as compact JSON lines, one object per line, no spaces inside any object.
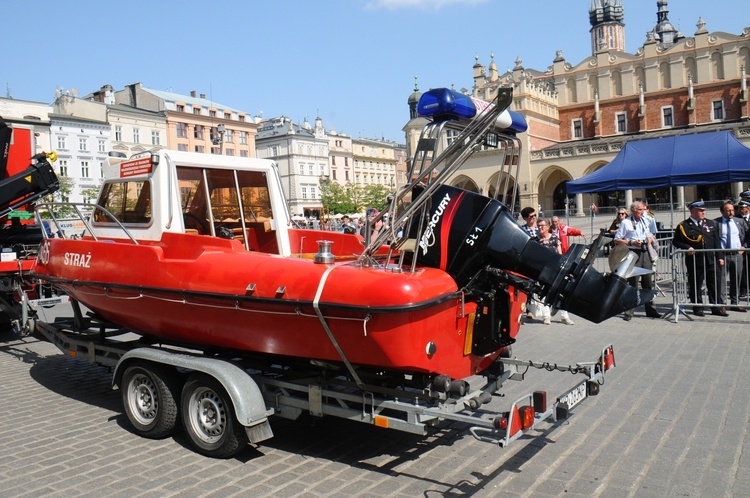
{"x":671,"y":208}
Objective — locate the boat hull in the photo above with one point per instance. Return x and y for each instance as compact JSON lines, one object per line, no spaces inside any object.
{"x":187,"y":290}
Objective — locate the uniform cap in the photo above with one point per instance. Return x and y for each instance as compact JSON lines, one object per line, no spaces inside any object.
{"x":697,"y":205}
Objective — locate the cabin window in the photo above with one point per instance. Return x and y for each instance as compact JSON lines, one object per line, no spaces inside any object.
{"x":128,"y":201}
{"x":210,"y":197}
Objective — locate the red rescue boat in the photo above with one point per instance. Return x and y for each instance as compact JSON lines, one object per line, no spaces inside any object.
{"x":199,"y":250}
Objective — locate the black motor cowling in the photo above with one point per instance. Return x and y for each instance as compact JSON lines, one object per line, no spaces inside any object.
{"x":465,"y":232}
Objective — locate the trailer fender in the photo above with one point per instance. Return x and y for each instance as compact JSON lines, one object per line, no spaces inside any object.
{"x":249,"y":405}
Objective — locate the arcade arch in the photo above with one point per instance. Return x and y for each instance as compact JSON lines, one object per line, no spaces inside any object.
{"x":501,"y":186}
{"x":466,"y":183}
{"x":552,"y":188}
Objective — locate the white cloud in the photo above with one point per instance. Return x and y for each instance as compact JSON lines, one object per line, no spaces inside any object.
{"x":418,"y":4}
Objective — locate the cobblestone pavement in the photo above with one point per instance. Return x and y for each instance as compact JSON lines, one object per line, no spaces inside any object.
{"x":671,"y":420}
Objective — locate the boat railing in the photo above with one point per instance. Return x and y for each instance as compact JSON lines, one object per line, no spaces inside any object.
{"x":430,"y":168}
{"x":48,"y":213}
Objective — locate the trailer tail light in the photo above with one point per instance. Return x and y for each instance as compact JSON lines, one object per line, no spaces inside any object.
{"x":519,"y":418}
{"x":609,"y":358}
{"x":501,"y":422}
{"x":527,"y":417}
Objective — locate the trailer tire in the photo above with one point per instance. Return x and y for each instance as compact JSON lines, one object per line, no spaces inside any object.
{"x":149,"y":397}
{"x":209,"y":418}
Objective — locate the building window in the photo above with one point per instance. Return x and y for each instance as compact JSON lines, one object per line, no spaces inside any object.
{"x":346,"y":161}
{"x":621,"y":122}
{"x":102,"y":146}
{"x":313,"y":193}
{"x":118,"y":133}
{"x":227,"y":115}
{"x":333,"y":174}
{"x":310,"y":169}
{"x":196,"y":110}
{"x":61,"y":143}
{"x":215,"y":150}
{"x":241,"y":118}
{"x":346,"y":175}
{"x":155,"y":138}
{"x":63,"y":167}
{"x":578,"y":128}
{"x":84,"y":169}
{"x":228,"y":137}
{"x":212,"y":113}
{"x":667,"y":117}
{"x":451,"y":135}
{"x":199,"y":148}
{"x":718,"y":110}
{"x":301,"y":169}
{"x":136,"y":135}
{"x":274,"y":151}
{"x":82,"y":144}
{"x":181,"y":130}
{"x":243,"y":138}
{"x":230,"y":152}
{"x":243,"y":153}
{"x":333,"y":160}
{"x":180,"y":108}
{"x":304,"y":192}
{"x":182,"y":147}
{"x":198,"y":132}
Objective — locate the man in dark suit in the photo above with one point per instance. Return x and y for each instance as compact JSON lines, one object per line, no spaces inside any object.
{"x":732,"y":235}
{"x":694,"y":233}
{"x":743,"y":216}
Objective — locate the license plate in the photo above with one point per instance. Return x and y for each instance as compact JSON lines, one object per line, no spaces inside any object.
{"x":574,"y":396}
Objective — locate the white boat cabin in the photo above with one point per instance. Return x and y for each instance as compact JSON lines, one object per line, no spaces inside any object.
{"x":201,"y":194}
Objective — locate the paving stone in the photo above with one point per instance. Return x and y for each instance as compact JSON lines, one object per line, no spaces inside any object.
{"x":671,"y":420}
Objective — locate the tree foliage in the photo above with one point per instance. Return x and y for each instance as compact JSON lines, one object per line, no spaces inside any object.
{"x":351,"y":198}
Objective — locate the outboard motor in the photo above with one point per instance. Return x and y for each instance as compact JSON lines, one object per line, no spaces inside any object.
{"x":465,"y":234}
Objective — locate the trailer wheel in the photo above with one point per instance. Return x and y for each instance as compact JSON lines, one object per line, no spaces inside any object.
{"x":149,"y":399}
{"x":209,"y":419}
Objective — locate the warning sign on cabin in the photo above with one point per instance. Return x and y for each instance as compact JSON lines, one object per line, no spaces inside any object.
{"x":136,"y":167}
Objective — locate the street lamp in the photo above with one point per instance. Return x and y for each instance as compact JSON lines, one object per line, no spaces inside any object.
{"x":219,"y":138}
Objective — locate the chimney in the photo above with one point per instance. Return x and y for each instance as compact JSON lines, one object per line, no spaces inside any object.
{"x":203,"y":95}
{"x":192,"y":93}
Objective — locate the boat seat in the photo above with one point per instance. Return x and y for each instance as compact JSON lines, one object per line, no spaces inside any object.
{"x":409,"y":245}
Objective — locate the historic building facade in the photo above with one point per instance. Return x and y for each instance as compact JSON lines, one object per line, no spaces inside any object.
{"x":374,"y":162}
{"x":302,"y":155}
{"x":195,"y":123}
{"x":580,"y":115}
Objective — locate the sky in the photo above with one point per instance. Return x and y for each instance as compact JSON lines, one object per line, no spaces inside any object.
{"x":350,"y":62}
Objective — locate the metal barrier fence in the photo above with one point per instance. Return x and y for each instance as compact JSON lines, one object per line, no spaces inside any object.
{"x":717,"y":289}
{"x":662,"y":265}
{"x":718,"y":286}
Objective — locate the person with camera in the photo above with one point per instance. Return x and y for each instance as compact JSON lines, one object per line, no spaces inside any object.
{"x":634,"y":233}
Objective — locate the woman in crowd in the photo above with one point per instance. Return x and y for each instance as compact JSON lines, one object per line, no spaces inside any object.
{"x":551,"y":242}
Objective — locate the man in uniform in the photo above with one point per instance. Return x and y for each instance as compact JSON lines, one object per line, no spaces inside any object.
{"x":694,"y":233}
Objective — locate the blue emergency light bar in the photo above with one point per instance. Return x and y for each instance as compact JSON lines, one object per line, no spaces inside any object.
{"x":441,"y":104}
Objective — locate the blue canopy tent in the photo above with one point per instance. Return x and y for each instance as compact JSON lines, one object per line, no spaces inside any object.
{"x":695,"y":159}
